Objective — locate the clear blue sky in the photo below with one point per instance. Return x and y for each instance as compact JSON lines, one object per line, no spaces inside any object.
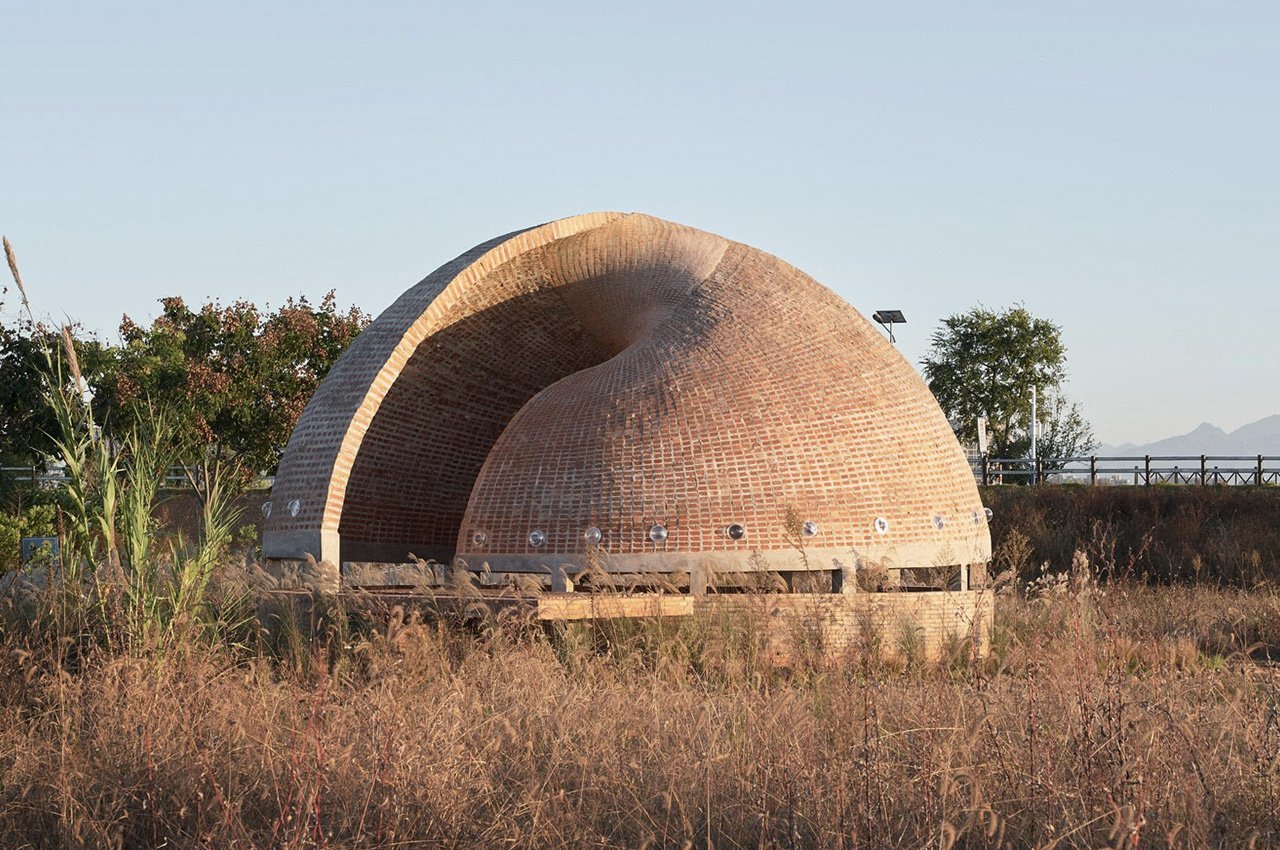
{"x":1114,"y":167}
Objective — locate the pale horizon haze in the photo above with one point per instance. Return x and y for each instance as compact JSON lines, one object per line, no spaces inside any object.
{"x":1114,"y":168}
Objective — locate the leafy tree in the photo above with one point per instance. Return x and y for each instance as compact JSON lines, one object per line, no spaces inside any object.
{"x":26,"y":422}
{"x":1063,"y":432}
{"x":24,"y":418}
{"x":984,"y":363}
{"x":235,"y":378}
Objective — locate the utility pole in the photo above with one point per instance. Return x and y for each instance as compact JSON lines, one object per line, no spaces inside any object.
{"x":1035,"y":465}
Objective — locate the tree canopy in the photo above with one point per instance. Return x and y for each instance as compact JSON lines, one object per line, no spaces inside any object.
{"x":236,"y":378}
{"x":233,"y":378}
{"x":26,"y":422}
{"x":983,"y":363}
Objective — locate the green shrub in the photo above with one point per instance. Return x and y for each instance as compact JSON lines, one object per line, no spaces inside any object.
{"x":35,"y":521}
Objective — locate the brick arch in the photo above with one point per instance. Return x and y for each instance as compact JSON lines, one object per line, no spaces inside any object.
{"x":619,"y":372}
{"x":317,"y":462}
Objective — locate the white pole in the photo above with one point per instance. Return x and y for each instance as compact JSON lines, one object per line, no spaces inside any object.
{"x":1033,"y":435}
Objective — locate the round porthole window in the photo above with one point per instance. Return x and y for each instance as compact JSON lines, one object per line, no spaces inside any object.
{"x":989,"y":513}
{"x":809,"y":529}
{"x":294,"y":507}
{"x":266,"y":509}
{"x":537,"y":538}
{"x":735,"y":532}
{"x":592,"y":536}
{"x":658,"y":533}
{"x":882,"y":525}
{"x":938,"y":522}
{"x":479,"y":538}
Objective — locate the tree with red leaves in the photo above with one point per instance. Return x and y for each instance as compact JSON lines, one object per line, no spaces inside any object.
{"x":235,"y":377}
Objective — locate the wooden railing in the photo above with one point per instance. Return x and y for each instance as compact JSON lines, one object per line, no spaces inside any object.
{"x":1142,"y":470}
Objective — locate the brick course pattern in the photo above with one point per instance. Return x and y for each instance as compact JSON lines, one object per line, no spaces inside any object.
{"x":615,"y":373}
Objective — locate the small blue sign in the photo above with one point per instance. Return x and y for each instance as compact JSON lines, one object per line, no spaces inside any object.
{"x":33,"y":547}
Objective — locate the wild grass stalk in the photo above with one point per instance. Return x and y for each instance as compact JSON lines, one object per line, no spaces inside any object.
{"x":112,"y":585}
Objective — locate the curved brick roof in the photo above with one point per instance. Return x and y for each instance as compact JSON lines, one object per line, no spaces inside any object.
{"x":619,"y":372}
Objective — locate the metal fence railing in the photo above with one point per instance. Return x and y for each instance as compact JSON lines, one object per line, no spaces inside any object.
{"x":1141,"y":470}
{"x":56,"y":477}
{"x":1138,"y":470}
{"x":175,"y":479}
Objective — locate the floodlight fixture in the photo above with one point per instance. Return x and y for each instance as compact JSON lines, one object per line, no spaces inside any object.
{"x":889,"y":318}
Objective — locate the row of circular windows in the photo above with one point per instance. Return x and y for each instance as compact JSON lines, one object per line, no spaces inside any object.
{"x":658,"y":533}
{"x":737,"y":531}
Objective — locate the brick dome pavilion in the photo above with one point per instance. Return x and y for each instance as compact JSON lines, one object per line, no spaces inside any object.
{"x":622,"y":389}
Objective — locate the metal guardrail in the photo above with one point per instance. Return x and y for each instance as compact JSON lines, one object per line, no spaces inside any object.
{"x":1136,"y":470}
{"x":174,"y":479}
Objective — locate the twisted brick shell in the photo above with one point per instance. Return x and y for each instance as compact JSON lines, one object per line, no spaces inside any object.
{"x":621,"y":372}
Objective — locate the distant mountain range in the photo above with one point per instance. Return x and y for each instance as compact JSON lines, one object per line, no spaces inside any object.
{"x":1261,"y":437}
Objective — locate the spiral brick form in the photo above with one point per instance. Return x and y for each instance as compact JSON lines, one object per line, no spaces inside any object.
{"x":622,"y":389}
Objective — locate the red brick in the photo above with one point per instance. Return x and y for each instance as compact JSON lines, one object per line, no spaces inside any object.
{"x":621,"y":372}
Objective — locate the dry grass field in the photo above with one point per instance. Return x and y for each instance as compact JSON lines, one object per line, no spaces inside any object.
{"x":1114,"y":716}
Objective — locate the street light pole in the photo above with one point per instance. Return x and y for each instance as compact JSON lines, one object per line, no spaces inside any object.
{"x":1035,"y":466}
{"x":889,"y":318}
